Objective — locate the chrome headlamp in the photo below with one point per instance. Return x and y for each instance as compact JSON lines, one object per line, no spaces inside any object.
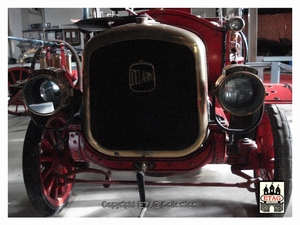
{"x":240,"y":91}
{"x":236,"y":24}
{"x":47,"y":92}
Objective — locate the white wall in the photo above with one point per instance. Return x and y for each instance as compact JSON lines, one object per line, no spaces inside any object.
{"x":57,"y":16}
{"x":14,"y":29}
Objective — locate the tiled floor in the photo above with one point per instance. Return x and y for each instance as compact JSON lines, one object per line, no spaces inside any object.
{"x":91,"y":200}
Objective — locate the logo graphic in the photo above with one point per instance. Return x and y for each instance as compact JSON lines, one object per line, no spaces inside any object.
{"x":142,"y":77}
{"x":271,"y":195}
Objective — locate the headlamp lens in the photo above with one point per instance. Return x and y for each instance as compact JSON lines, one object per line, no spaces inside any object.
{"x":50,"y":91}
{"x":236,"y":24}
{"x":237,"y":92}
{"x":42,"y":95}
{"x":241,"y":94}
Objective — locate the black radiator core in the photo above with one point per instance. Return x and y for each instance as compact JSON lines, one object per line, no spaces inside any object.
{"x":143,"y":96}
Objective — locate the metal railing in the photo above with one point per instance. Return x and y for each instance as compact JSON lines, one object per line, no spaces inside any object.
{"x":276,"y":65}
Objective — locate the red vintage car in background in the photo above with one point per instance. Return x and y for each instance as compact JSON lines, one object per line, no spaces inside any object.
{"x":160,"y":92}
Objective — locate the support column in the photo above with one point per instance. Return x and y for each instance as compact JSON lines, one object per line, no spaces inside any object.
{"x":252,"y":34}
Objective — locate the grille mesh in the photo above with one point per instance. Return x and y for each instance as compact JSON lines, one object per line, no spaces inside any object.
{"x":160,"y":117}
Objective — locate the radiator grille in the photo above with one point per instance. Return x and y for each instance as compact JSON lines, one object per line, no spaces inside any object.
{"x":160,"y":112}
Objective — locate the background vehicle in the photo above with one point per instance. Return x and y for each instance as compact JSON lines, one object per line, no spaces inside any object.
{"x":160,"y":92}
{"x":33,"y":39}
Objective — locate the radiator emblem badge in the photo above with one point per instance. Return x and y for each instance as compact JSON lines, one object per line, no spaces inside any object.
{"x":142,"y":77}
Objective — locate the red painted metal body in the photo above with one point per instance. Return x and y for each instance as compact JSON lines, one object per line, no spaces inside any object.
{"x":278,"y":93}
{"x":84,"y":152}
